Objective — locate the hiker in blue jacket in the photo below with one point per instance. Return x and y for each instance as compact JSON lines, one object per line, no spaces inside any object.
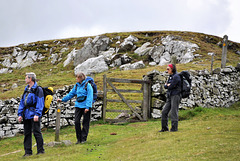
{"x":30,"y":112}
{"x":173,"y":86}
{"x":83,"y":105}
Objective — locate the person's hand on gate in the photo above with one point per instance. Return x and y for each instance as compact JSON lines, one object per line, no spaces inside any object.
{"x":59,"y":100}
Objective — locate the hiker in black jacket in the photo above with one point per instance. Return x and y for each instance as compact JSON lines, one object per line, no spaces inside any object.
{"x":173,"y":85}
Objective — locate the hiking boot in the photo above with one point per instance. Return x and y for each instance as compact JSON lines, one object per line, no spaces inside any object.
{"x":27,"y":155}
{"x":82,"y":142}
{"x":42,"y":152}
{"x":174,"y":126}
{"x":78,"y":142}
{"x":164,"y":126}
{"x":163,"y":130}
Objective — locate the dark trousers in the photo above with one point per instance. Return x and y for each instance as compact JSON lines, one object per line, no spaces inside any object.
{"x":29,"y":127}
{"x":173,"y":105}
{"x":82,"y":133}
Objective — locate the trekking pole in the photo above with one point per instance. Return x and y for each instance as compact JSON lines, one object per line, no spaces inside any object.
{"x":57,"y":130}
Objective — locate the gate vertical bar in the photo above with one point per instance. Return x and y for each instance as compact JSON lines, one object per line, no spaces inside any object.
{"x":104,"y":97}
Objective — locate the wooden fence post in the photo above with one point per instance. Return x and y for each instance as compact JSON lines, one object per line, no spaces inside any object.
{"x":146,"y":104}
{"x":174,"y":60}
{"x":224,"y":51}
{"x":149,"y":99}
{"x":57,"y":130}
{"x":104,"y":97}
{"x":211,"y":54}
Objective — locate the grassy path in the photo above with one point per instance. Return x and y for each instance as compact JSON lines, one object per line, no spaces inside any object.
{"x":213,"y":134}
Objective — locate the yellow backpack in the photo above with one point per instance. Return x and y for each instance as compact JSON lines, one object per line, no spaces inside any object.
{"x":48,"y":97}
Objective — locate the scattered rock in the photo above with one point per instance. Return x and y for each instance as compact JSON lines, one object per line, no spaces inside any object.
{"x":137,"y":65}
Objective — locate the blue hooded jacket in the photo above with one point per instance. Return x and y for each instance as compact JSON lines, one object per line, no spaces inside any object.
{"x":80,"y":91}
{"x":34,"y":103}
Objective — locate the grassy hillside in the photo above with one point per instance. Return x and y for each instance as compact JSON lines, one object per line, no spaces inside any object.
{"x":204,"y":134}
{"x":58,"y":76}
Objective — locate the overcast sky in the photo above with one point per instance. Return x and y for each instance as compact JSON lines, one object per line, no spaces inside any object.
{"x":25,"y":21}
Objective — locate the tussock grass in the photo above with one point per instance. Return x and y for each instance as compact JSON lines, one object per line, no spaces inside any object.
{"x":211,"y":134}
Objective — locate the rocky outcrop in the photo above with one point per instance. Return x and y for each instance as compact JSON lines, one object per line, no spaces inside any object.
{"x":20,"y":59}
{"x":101,"y":45}
{"x":162,"y":53}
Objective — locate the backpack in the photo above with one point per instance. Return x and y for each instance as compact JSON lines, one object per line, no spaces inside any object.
{"x":185,"y":84}
{"x":48,"y":97}
{"x":94,"y":86}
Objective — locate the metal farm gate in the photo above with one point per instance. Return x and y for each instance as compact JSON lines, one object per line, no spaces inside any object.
{"x":123,"y":97}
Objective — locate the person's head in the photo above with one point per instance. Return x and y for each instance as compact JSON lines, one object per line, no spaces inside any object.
{"x":80,"y":77}
{"x":30,"y":77}
{"x":171,"y":69}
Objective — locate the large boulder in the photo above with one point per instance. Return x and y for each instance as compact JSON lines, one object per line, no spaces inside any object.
{"x":156,"y":52}
{"x":179,"y":48}
{"x":7,"y":62}
{"x":33,"y":55}
{"x":128,"y":43}
{"x":165,"y":59}
{"x":20,"y":56}
{"x":91,"y":49}
{"x":188,"y":57}
{"x":3,"y":70}
{"x":119,"y":59}
{"x":85,"y":53}
{"x":26,"y":62}
{"x":101,"y":43}
{"x":144,"y":49}
{"x":92,"y":65}
{"x":108,"y":55}
{"x":70,"y":57}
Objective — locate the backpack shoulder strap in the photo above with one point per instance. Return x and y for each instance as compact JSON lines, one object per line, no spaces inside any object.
{"x":76,"y":86}
{"x":85,"y":87}
{"x":24,"y":92}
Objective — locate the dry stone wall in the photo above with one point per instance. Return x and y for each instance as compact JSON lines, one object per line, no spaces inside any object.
{"x":220,"y":89}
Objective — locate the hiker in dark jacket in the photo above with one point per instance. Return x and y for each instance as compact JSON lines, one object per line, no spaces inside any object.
{"x":83,"y":105}
{"x":173,"y":86}
{"x":30,"y":112}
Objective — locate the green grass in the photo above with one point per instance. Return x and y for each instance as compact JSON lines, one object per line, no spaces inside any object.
{"x":209,"y":134}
